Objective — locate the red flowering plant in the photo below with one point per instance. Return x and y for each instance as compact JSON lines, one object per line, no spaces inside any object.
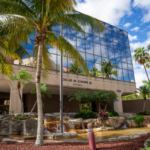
{"x":103,"y":116}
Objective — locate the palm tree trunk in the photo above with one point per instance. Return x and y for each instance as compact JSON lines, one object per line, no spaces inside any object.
{"x":33,"y":108}
{"x":39,"y":139}
{"x":146,"y":73}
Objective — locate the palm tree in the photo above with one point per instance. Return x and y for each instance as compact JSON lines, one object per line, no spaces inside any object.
{"x":99,"y":96}
{"x":40,"y":17}
{"x":110,"y":97}
{"x":75,"y":68}
{"x":44,"y":91}
{"x":94,"y":72}
{"x":107,"y":69}
{"x":146,"y":83}
{"x":145,"y":92}
{"x":22,"y":78}
{"x":142,"y":57}
{"x":77,"y":96}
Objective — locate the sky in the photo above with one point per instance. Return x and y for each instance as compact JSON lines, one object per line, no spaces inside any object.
{"x":130,"y":15}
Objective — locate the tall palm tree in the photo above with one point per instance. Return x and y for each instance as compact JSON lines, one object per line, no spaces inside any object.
{"x":44,"y":91}
{"x":142,"y":57}
{"x":145,"y":92}
{"x":77,"y":96}
{"x":75,"y":68}
{"x":107,"y":69}
{"x":94,"y":72}
{"x":99,"y":96}
{"x":40,"y":17}
{"x":22,"y":78}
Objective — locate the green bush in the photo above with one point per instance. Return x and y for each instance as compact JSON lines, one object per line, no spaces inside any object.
{"x":144,"y":113}
{"x":113,"y":113}
{"x":138,"y":119}
{"x":19,"y":117}
{"x":86,"y":114}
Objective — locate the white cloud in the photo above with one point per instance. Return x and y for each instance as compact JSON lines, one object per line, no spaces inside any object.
{"x":132,"y":38}
{"x":135,"y":45}
{"x":110,"y":11}
{"x":127,"y":25}
{"x":143,"y":4}
{"x":135,"y":29}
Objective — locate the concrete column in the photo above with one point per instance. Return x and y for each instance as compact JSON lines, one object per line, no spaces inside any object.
{"x":15,"y":103}
{"x":118,"y":104}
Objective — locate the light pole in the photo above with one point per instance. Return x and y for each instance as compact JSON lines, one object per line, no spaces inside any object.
{"x":61,"y":89}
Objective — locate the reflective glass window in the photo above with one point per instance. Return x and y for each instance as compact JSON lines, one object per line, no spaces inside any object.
{"x":105,"y":59}
{"x":65,"y":64}
{"x":119,"y":31}
{"x":125,"y":33}
{"x":126,"y":40}
{"x":71,"y":67}
{"x":103,"y":42}
{"x":90,"y":57}
{"x":114,"y":75}
{"x":108,"y":27}
{"x":121,"y":41}
{"x":56,"y":27}
{"x":115,"y":37}
{"x":65,"y":36}
{"x":109,"y":35}
{"x":52,"y":50}
{"x":72,"y":40}
{"x":96,"y":39}
{"x":130,"y":67}
{"x":58,"y":63}
{"x":110,"y":44}
{"x":103,"y":34}
{"x":116,"y":46}
{"x":123,"y":57}
{"x":131,"y":76}
{"x":89,"y":47}
{"x":114,"y":29}
{"x":104,"y":51}
{"x":126,"y":75}
{"x":97,"y":59}
{"x":88,"y":29}
{"x":117,"y":55}
{"x":122,"y":48}
{"x":124,"y":66}
{"x":88,"y":37}
{"x":97,"y":50}
{"x":82,"y":54}
{"x":129,"y":59}
{"x":120,"y":74}
{"x":118,"y":64}
{"x":96,"y":33}
{"x":111,"y":53}
{"x":80,"y":45}
{"x":98,"y":67}
{"x":113,"y":62}
{"x":90,"y":65}
{"x":80,"y":35}
{"x":53,"y":61}
{"x":127,"y":49}
{"x":64,"y":30}
{"x":71,"y":32}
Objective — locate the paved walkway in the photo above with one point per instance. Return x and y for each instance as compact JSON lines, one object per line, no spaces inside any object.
{"x":119,"y":145}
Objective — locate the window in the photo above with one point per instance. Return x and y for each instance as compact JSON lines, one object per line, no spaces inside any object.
{"x":96,"y":39}
{"x":80,"y":45}
{"x":104,"y":51}
{"x":90,"y":57}
{"x":89,"y":47}
{"x":72,"y":40}
{"x":97,"y":50}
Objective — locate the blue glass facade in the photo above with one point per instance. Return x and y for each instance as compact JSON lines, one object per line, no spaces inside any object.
{"x":112,"y":46}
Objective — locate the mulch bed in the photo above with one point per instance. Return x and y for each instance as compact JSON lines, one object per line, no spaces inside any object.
{"x":119,"y":145}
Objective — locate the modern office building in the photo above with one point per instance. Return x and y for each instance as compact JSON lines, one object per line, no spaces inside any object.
{"x":108,"y":58}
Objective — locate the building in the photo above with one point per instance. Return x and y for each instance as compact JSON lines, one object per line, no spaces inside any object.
{"x":109,"y":47}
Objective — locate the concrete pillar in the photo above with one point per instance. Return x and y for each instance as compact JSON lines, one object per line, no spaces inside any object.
{"x":15,"y":103}
{"x":118,"y":104}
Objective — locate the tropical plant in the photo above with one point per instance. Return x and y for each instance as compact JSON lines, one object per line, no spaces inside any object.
{"x":110,"y":97}
{"x":113,"y":113}
{"x":40,"y":17}
{"x":94,"y":72}
{"x":86,"y":114}
{"x":107,"y":69}
{"x":44,"y":91}
{"x":144,"y":113}
{"x":146,"y":83}
{"x":138,"y":119}
{"x":145,"y":92}
{"x":77,"y":97}
{"x":141,"y":56}
{"x":19,"y":117}
{"x":22,"y":78}
{"x":103,"y":116}
{"x":99,"y":96}
{"x":132,"y":96}
{"x":75,"y":68}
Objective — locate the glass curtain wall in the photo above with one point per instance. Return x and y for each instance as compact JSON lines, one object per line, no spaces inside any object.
{"x":107,"y":54}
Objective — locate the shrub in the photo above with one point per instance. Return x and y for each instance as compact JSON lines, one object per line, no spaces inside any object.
{"x":19,"y":117}
{"x":113,"y":113}
{"x":86,"y":114}
{"x":144,"y":113}
{"x":138,"y":119}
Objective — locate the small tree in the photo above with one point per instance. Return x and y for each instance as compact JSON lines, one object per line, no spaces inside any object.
{"x":22,"y":78}
{"x":44,"y":91}
{"x":77,"y":97}
{"x":145,"y":91}
{"x":99,"y":96}
{"x":110,"y":97}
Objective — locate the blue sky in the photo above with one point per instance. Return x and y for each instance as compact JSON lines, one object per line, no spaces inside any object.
{"x":130,"y":15}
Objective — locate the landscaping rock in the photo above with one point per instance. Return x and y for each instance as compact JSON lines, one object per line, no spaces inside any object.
{"x":51,"y":115}
{"x":30,"y":127}
{"x":86,"y":121}
{"x":75,"y":123}
{"x":112,"y":139}
{"x":136,"y":136}
{"x":123,"y":138}
{"x":4,"y":127}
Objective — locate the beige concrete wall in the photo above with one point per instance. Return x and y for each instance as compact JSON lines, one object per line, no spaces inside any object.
{"x":54,"y":79}
{"x":135,"y":105}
